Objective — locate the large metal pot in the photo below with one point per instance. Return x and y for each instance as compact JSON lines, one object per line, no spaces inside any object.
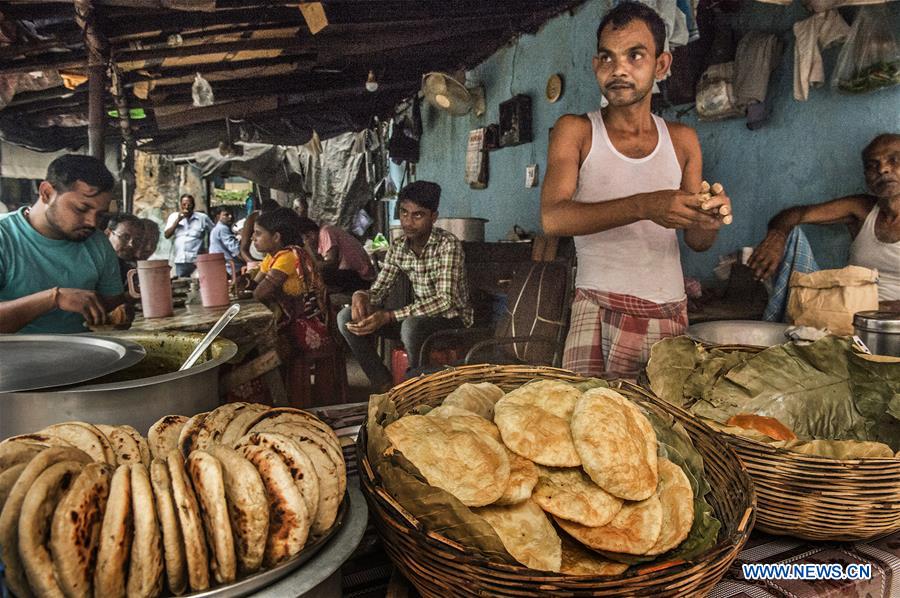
{"x":879,"y":330}
{"x":465,"y":229}
{"x":137,"y":396}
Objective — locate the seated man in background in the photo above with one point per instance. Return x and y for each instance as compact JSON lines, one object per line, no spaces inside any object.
{"x":434,"y":262}
{"x":873,"y":220}
{"x":341,"y":258}
{"x":150,"y":239}
{"x":126,"y":235}
{"x":57,"y":271}
{"x":223,"y":240}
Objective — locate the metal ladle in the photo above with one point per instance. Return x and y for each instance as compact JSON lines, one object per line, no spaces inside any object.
{"x":210,"y":336}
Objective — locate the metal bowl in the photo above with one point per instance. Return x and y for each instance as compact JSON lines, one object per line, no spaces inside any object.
{"x":137,"y":396}
{"x":740,"y":332}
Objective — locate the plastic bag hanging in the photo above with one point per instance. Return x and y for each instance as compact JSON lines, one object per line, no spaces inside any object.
{"x":202,"y":92}
{"x":870,"y":59}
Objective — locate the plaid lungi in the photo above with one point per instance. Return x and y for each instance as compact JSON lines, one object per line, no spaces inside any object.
{"x":609,"y":332}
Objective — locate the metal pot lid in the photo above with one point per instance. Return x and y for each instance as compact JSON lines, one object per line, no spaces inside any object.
{"x":877,"y":321}
{"x":36,"y":361}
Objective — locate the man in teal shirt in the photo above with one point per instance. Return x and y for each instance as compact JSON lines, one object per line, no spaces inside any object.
{"x":58,"y":272}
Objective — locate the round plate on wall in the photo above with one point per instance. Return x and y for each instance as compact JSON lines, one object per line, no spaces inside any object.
{"x":554,"y":87}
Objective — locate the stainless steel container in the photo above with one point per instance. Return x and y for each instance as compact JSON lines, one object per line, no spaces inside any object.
{"x":740,"y":332}
{"x":879,"y":330}
{"x":137,"y":396}
{"x":465,"y":229}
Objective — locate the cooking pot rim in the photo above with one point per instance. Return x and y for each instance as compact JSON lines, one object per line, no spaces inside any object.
{"x":228,"y":350}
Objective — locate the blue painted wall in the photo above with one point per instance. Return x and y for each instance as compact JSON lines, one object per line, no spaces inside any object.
{"x":808,"y":152}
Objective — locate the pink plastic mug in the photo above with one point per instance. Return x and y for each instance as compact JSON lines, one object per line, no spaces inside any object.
{"x":213,"y":279}
{"x":156,"y":288}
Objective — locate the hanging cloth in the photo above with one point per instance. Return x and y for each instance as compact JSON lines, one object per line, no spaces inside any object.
{"x":814,"y":35}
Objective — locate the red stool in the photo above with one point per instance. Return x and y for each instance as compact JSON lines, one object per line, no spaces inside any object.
{"x":400,"y":361}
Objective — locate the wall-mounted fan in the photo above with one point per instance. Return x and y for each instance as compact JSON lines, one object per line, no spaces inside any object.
{"x":450,"y":94}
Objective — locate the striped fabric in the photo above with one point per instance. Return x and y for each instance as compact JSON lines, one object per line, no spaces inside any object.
{"x":883,"y":555}
{"x":613,"y":333}
{"x":798,"y":257}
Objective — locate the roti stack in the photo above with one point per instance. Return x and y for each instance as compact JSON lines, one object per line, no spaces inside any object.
{"x":587,"y":459}
{"x":98,"y":510}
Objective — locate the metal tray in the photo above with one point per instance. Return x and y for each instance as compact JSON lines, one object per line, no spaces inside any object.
{"x":36,"y":361}
{"x":263,"y":579}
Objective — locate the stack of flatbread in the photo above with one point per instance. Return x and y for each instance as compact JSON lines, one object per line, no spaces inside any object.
{"x":547,"y":457}
{"x":101,"y":511}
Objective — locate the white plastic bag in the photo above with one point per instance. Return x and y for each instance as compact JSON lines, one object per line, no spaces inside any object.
{"x":870,"y":59}
{"x":202,"y":92}
{"x":715,"y":93}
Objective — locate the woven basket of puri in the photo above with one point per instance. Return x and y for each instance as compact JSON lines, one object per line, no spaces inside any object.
{"x":446,"y":543}
{"x":817,"y":427}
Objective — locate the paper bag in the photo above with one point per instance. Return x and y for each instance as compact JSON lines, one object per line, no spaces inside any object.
{"x":829,"y":298}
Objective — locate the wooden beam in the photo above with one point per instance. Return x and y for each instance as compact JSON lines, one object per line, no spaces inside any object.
{"x":70,"y":60}
{"x":215,"y":112}
{"x":37,"y":47}
{"x":186,"y":5}
{"x":97,"y":50}
{"x":348,"y":41}
{"x":118,"y":92}
{"x":247,"y":107}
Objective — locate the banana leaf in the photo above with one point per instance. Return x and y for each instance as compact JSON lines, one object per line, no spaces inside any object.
{"x":672,"y":361}
{"x":441,"y":512}
{"x":821,"y":390}
{"x":590,"y":383}
{"x":716,"y":363}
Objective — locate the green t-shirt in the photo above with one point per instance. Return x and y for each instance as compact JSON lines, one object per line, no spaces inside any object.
{"x":30,"y":262}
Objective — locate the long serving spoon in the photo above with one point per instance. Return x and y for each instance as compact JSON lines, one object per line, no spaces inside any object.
{"x":210,"y":336}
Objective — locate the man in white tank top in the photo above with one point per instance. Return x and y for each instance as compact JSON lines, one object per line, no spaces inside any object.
{"x":621,"y":181}
{"x":873,"y":220}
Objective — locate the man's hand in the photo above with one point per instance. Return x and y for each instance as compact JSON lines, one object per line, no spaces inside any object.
{"x":765,"y":259}
{"x":714,"y":201}
{"x":360,"y":306}
{"x":370,"y":324}
{"x":86,"y":303}
{"x":678,"y":209}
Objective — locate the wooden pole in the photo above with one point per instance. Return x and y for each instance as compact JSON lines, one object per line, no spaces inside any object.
{"x":96,"y":67}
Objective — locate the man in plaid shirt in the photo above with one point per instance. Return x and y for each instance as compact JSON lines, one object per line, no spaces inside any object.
{"x":433,"y":261}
